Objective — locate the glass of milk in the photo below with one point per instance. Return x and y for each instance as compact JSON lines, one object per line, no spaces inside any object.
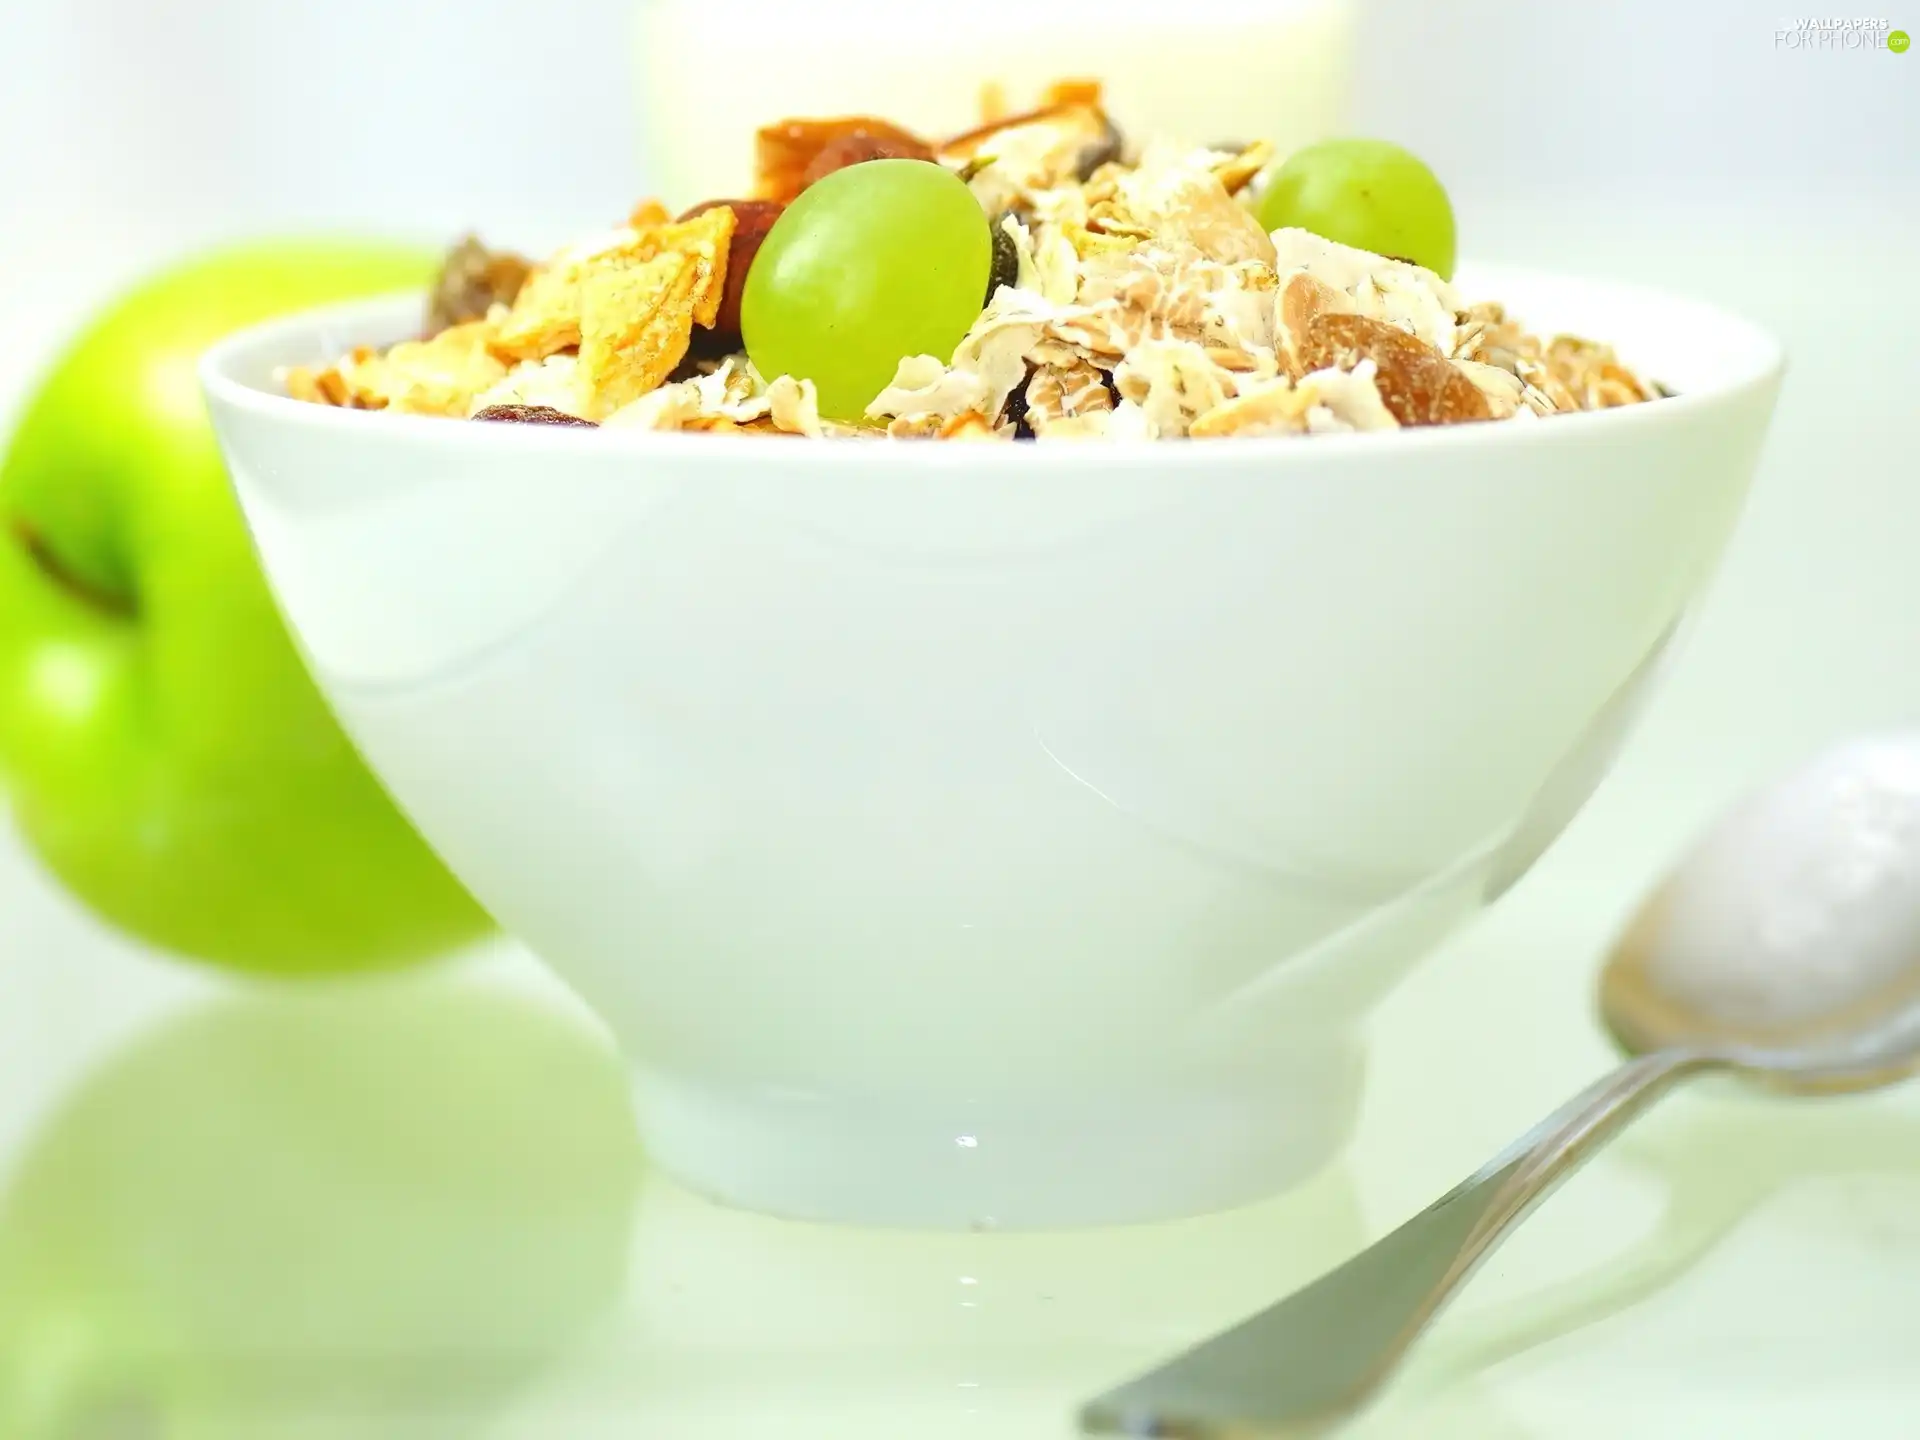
{"x":712,"y":72}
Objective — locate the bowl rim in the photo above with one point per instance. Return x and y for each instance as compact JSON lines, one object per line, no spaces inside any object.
{"x":1761,"y":363}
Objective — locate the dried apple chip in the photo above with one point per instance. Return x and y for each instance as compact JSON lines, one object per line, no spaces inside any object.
{"x":706,"y":239}
{"x":789,"y":156}
{"x":547,"y":316}
{"x":636,"y":325}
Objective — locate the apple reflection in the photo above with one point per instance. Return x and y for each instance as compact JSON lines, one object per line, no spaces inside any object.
{"x":320,"y":1216}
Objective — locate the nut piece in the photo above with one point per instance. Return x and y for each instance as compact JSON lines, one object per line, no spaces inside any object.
{"x":789,"y":156}
{"x":531,"y":415}
{"x":1418,"y":384}
{"x":752,"y":219}
{"x":1303,"y":300}
{"x":472,"y":280}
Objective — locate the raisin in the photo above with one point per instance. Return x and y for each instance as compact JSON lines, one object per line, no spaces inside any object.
{"x":531,"y":415}
{"x":1006,"y":260}
{"x":1016,"y":412}
{"x":752,"y":219}
{"x":472,"y":280}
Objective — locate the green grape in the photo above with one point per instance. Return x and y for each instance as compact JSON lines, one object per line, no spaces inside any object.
{"x":871,"y":264}
{"x":1370,"y":194}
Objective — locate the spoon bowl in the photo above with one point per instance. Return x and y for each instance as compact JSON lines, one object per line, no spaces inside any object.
{"x":1788,"y":937}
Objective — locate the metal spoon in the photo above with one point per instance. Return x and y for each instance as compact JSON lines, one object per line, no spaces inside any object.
{"x":1785,"y":949}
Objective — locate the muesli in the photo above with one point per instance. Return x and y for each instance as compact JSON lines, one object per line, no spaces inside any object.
{"x":1127,"y":292}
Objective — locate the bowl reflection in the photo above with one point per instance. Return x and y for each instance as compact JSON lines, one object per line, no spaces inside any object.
{"x":276,"y":1217}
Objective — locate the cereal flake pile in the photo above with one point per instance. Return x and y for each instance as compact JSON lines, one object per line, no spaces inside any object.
{"x":1134,"y":296}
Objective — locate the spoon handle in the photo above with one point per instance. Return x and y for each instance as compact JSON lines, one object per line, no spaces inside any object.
{"x":1317,"y":1355}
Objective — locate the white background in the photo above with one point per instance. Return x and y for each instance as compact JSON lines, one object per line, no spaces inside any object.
{"x":1668,"y":142}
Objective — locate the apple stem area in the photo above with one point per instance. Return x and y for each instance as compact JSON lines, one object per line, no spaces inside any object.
{"x":92,"y":595}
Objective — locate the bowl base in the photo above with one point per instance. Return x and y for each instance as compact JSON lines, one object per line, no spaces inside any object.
{"x":1021,"y":1161}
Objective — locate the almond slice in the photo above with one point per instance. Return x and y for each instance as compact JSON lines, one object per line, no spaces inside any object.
{"x":1418,"y":384}
{"x":1304,"y":298}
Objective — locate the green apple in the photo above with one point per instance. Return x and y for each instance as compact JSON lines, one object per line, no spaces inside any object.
{"x":168,"y":756}
{"x":317,"y":1216}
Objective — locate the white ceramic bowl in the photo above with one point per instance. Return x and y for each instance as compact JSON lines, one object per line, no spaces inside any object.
{"x":963,"y":834}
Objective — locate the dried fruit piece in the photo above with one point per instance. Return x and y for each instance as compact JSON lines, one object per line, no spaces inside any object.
{"x":784,"y":154}
{"x":1016,"y":410}
{"x":1418,"y":384}
{"x":548,"y":315}
{"x":1075,"y":91}
{"x":708,"y":240}
{"x":545,"y":318}
{"x":1006,"y":259}
{"x":472,"y":280}
{"x":858,"y":149}
{"x":752,"y":219}
{"x":637,"y":323}
{"x":532,"y":415}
